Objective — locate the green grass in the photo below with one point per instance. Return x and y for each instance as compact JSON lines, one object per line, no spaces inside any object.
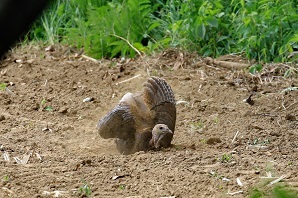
{"x":264,"y":30}
{"x":6,"y":178}
{"x":226,"y":158}
{"x":277,"y":191}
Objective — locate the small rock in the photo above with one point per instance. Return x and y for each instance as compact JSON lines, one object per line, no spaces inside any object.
{"x":231,"y":83}
{"x":63,"y":110}
{"x":46,"y":129}
{"x":275,"y":133}
{"x":30,"y":61}
{"x":249,"y":100}
{"x":89,"y":99}
{"x":290,"y":117}
{"x":50,"y":48}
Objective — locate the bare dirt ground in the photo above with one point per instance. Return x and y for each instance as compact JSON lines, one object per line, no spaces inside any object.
{"x":218,"y":136}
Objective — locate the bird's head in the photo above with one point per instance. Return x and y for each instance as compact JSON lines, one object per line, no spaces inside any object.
{"x":161,"y":136}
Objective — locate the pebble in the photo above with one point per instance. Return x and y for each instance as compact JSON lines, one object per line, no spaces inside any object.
{"x":89,"y":99}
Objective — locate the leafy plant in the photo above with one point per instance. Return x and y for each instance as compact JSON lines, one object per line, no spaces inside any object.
{"x":226,"y":157}
{"x":3,"y":86}
{"x":43,"y":102}
{"x":255,"y":68}
{"x":104,"y":35}
{"x":284,"y":192}
{"x":278,"y":191}
{"x":204,"y":141}
{"x":264,"y":30}
{"x":85,"y":189}
{"x":197,"y":125}
{"x":42,"y":105}
{"x":6,"y":178}
{"x":259,"y":141}
{"x":121,"y":186}
{"x":48,"y":108}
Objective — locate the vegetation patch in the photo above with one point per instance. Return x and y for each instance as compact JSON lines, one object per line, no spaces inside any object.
{"x":261,"y":30}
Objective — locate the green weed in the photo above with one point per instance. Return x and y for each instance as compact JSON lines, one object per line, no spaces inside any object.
{"x":121,"y":186}
{"x":262,"y":142}
{"x":261,"y":30}
{"x":85,"y":189}
{"x":255,"y":68}
{"x":226,"y":158}
{"x":6,"y":178}
{"x":3,"y":86}
{"x":199,"y":125}
{"x":277,"y":191}
{"x":204,"y":141}
{"x":42,"y":105}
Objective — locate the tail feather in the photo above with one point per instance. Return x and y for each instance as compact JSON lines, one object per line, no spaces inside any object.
{"x":157,"y":91}
{"x":160,"y":98}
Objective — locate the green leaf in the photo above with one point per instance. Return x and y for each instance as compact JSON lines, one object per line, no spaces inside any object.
{"x":48,"y":108}
{"x":294,"y":38}
{"x":153,"y":26}
{"x":116,"y":50}
{"x":116,"y":43}
{"x":43,"y":102}
{"x":287,"y":73}
{"x":139,"y":46}
{"x":222,"y":38}
{"x":201,"y":31}
{"x":255,"y":68}
{"x":165,"y":41}
{"x":212,"y":22}
{"x":61,"y":9}
{"x":3,"y":86}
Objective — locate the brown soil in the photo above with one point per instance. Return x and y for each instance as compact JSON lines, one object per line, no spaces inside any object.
{"x":218,"y":136}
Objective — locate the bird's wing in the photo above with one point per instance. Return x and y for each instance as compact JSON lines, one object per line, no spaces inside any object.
{"x":160,"y":99}
{"x":118,"y":123}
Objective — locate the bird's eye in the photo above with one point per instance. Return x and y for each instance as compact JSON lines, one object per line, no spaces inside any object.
{"x":161,"y":128}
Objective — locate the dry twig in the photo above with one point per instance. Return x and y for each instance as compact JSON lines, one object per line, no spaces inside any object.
{"x":127,"y":41}
{"x":139,"y":75}
{"x":277,"y":180}
{"x":235,"y":193}
{"x":235,"y":136}
{"x":228,"y":65}
{"x":90,"y":58}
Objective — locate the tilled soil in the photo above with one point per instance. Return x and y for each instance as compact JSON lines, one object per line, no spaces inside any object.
{"x":50,"y":145}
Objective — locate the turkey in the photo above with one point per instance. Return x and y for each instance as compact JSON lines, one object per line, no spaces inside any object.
{"x":142,"y":121}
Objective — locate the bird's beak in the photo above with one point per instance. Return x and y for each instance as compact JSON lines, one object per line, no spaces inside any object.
{"x":164,"y":133}
{"x":167,"y":131}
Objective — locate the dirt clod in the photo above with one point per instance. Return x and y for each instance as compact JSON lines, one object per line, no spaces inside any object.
{"x":213,"y":140}
{"x":2,"y":117}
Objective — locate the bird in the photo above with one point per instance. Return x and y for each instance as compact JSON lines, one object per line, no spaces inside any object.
{"x":142,"y":121}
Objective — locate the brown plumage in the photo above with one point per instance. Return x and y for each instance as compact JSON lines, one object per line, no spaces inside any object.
{"x":142,"y":121}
